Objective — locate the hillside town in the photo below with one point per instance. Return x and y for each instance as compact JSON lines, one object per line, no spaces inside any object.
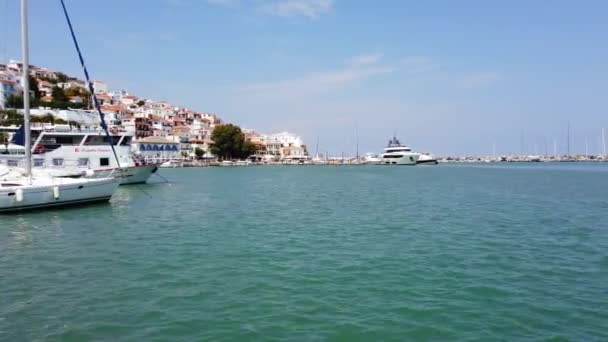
{"x":162,"y":131}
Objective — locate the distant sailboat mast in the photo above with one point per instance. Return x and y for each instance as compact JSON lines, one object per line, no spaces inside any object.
{"x":604,"y":140}
{"x":568,"y":141}
{"x":357,"y":137}
{"x":555,"y":147}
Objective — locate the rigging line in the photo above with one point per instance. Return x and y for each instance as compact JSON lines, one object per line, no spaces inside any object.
{"x":142,"y":190}
{"x":161,"y":177}
{"x":86,"y":75}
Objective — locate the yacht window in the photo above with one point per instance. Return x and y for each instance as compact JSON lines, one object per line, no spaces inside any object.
{"x":58,"y":162}
{"x":83,"y":162}
{"x":393,"y":156}
{"x":12,"y":162}
{"x":64,"y":140}
{"x":38,"y":162}
{"x":104,"y":161}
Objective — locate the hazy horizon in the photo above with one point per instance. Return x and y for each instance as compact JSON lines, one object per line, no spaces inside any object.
{"x":448,"y":78}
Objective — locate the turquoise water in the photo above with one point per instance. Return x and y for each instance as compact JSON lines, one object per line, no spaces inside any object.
{"x":448,"y":252}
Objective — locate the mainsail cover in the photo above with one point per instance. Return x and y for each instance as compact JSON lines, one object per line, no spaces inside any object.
{"x":19,"y":137}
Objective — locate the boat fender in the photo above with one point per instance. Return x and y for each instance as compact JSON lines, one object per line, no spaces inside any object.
{"x":19,"y":195}
{"x":56,"y":192}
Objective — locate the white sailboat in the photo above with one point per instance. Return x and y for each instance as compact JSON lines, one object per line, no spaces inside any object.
{"x":20,"y":190}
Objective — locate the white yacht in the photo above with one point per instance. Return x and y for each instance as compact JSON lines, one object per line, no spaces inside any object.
{"x":67,"y":151}
{"x":397,"y":154}
{"x":427,"y":159}
{"x":371,"y":158}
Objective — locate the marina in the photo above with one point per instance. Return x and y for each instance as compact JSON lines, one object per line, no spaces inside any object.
{"x":180,"y":198}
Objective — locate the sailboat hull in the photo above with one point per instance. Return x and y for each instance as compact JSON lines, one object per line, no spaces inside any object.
{"x":59,"y":193}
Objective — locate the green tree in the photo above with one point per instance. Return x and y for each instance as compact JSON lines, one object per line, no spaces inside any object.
{"x":4,"y":140}
{"x":61,"y":77}
{"x":14,"y":101}
{"x":34,"y":88}
{"x":59,"y":95}
{"x":141,"y":103}
{"x":229,"y":142}
{"x":199,"y":153}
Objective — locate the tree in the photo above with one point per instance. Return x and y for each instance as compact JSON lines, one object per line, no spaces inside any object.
{"x":141,"y":103}
{"x":199,"y":153}
{"x":34,"y":87}
{"x":61,"y":77}
{"x":14,"y":101}
{"x":229,"y":142}
{"x":59,"y":95}
{"x":4,"y":140}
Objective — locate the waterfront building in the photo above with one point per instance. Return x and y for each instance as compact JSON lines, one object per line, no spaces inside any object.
{"x":7,"y":88}
{"x":100,"y":87}
{"x":157,"y":149}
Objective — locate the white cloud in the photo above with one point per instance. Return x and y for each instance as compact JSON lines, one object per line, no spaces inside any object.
{"x":312,"y":9}
{"x":366,"y":59}
{"x":360,"y":68}
{"x":482,"y":79}
{"x":418,"y":64}
{"x":223,"y":2}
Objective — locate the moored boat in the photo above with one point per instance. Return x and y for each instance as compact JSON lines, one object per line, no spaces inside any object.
{"x":397,"y":154}
{"x":62,"y":150}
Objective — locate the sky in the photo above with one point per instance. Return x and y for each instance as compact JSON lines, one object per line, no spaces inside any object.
{"x":449,"y":77}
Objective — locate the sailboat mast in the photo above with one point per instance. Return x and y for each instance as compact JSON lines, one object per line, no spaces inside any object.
{"x":26,"y":88}
{"x":357,"y":136}
{"x":568,"y":143}
{"x":604,"y":140}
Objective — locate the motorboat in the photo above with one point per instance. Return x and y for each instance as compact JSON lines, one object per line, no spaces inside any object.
{"x":371,"y":158}
{"x":427,"y":159}
{"x":397,"y":154}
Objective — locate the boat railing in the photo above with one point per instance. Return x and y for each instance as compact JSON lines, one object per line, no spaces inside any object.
{"x":114,"y":130}
{"x":54,"y":164}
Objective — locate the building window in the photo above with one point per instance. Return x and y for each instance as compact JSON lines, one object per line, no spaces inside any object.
{"x":38,"y":162}
{"x":104,"y":161}
{"x":12,"y":162}
{"x":83,"y":162}
{"x":58,"y":162}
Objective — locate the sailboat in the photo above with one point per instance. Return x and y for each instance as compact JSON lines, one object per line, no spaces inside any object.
{"x":20,"y":189}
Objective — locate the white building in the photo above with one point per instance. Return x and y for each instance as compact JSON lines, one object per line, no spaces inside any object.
{"x":100,"y":87}
{"x":157,"y":149}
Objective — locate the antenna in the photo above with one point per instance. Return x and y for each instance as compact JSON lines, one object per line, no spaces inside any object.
{"x":586,"y":147}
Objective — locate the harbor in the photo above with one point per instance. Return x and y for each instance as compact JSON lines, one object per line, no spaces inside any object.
{"x":302,"y":170}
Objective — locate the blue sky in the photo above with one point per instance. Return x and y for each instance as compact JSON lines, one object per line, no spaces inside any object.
{"x":450,"y":77}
